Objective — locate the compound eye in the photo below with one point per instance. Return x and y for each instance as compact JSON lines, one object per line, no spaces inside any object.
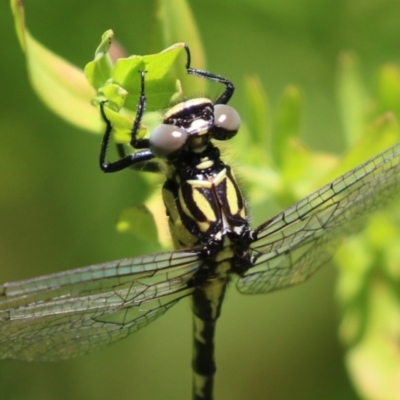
{"x":226,"y":121}
{"x":166,"y":140}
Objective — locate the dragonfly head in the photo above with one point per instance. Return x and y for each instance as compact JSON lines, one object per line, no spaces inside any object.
{"x":191,"y":124}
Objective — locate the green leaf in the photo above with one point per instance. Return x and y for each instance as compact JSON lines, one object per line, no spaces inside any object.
{"x":174,"y":22}
{"x":139,"y":221}
{"x":388,"y":97}
{"x":60,"y":85}
{"x":114,"y":95}
{"x":375,"y":356}
{"x":371,"y":322}
{"x":99,"y":70}
{"x":352,"y":98}
{"x":287,"y":124}
{"x":121,"y":84}
{"x":254,"y":132}
{"x":257,"y":113}
{"x":379,"y":135}
{"x":122,"y":126}
{"x":160,"y":85}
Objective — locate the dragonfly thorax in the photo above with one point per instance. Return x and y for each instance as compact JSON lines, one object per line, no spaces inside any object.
{"x":203,"y":201}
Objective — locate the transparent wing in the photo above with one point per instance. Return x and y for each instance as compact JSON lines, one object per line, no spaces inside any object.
{"x":67,"y":314}
{"x":293,"y":245}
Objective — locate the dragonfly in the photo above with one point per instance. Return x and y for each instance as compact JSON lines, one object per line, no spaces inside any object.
{"x":68,"y":314}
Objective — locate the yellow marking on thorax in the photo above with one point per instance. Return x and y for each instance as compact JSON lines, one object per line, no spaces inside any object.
{"x":200,"y":184}
{"x":220,"y":177}
{"x":178,"y":231}
{"x":204,"y":205}
{"x":185,"y":208}
{"x":205,"y":164}
{"x":231,"y":196}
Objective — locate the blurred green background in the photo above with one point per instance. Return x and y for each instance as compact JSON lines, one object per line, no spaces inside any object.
{"x":58,"y":211}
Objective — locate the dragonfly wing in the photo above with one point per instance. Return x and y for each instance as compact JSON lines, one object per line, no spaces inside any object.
{"x":71,"y":313}
{"x":294,"y":244}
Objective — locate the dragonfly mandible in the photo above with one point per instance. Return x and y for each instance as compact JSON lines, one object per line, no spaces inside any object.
{"x":72,"y":313}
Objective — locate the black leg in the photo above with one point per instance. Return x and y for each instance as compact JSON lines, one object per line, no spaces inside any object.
{"x":136,"y":157}
{"x":225,"y":97}
{"x":146,"y":166}
{"x":135,"y":142}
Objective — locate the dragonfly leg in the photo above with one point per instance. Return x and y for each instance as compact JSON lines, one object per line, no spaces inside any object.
{"x":230,"y":88}
{"x":136,"y":157}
